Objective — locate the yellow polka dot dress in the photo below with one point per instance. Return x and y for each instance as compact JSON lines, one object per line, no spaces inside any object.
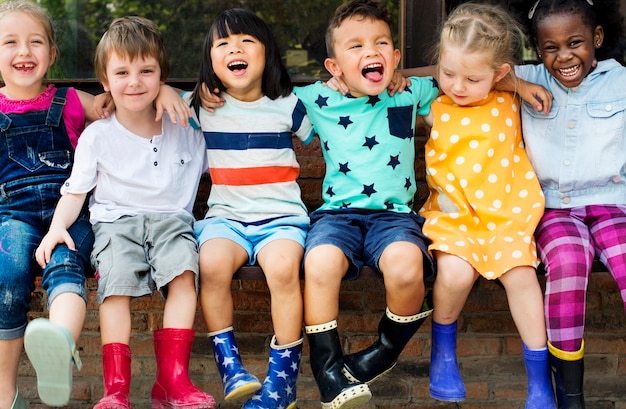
{"x":485,"y":200}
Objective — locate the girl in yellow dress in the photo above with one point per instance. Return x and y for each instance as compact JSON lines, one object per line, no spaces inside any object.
{"x":485,"y":200}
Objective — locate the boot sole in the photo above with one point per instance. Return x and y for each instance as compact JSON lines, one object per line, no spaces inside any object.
{"x":243,"y":392}
{"x":446,"y":398}
{"x":49,"y":348}
{"x":350,"y":398}
{"x":346,"y":372}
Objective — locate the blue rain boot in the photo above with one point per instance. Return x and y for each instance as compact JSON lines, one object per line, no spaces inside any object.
{"x":394,"y":332}
{"x":446,"y":383}
{"x":540,"y":393}
{"x":279,"y":387}
{"x":568,"y":369}
{"x":238,"y":383}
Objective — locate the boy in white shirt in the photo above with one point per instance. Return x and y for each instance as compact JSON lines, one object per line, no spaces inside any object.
{"x":144,"y":176}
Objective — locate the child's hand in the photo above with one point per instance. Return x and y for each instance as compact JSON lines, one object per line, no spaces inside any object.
{"x":337,"y":84}
{"x":48,"y":244}
{"x":398,"y":83}
{"x":103,"y":105}
{"x":210,"y":100}
{"x":536,"y":95}
{"x":170,"y":101}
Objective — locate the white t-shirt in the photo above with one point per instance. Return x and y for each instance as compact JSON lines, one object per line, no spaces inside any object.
{"x":133,"y":175}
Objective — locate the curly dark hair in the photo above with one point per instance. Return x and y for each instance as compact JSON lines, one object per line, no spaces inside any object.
{"x":605,"y":13}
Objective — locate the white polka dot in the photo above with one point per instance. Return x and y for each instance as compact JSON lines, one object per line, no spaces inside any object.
{"x":504,"y":163}
{"x":517,"y":254}
{"x":537,"y":204}
{"x":523,"y":193}
{"x":481,"y":241}
{"x":460,"y":243}
{"x":463,"y":183}
{"x":492,"y":178}
{"x":497,"y":256}
{"x":465,"y":121}
{"x":449,"y":188}
{"x":528,"y":239}
{"x":470,"y":239}
{"x":463,"y":227}
{"x":476,"y":219}
{"x":485,"y":127}
{"x":434,"y":135}
{"x":473,"y":144}
{"x":490,"y":153}
{"x":495,"y":112}
{"x":530,"y":175}
{"x":480,"y":194}
{"x":444,"y":247}
{"x":477,"y":168}
{"x":475,"y":257}
{"x":450,"y":177}
{"x":516,"y":210}
{"x":497,"y":204}
{"x":514,"y":107}
{"x":507,"y":188}
{"x":431,"y":153}
{"x":509,"y":122}
{"x":502,"y":137}
{"x":529,"y":218}
{"x":445,"y":117}
{"x":491,"y":226}
{"x":508,"y":239}
{"x":500,"y":100}
{"x":432,"y":171}
{"x":492,"y":240}
{"x":454,"y":215}
{"x":489,"y":274}
{"x":443,"y":156}
{"x":454,"y":138}
{"x":460,"y":160}
{"x":516,"y":158}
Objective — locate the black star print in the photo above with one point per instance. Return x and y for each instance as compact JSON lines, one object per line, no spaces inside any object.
{"x":434,"y":82}
{"x":343,"y":167}
{"x":389,"y":205}
{"x":393,"y":161}
{"x":373,"y":100}
{"x":368,"y":190}
{"x":370,"y":142}
{"x":330,"y":192}
{"x":407,"y":183}
{"x":321,"y":101}
{"x":326,"y":146}
{"x":344,"y":121}
{"x":345,"y":205}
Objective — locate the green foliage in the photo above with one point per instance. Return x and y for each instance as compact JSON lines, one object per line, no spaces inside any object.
{"x":297,"y":24}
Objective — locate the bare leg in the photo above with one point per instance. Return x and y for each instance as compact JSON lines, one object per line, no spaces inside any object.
{"x":68,"y":310}
{"x":115,"y":320}
{"x":10,"y":354}
{"x":180,"y":306}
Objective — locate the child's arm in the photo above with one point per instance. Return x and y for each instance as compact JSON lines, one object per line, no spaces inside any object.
{"x":535,"y":94}
{"x":210,"y":100}
{"x":168,"y":100}
{"x":65,"y":214}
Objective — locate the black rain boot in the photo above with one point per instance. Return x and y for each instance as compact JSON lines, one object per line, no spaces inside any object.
{"x":394,"y":332}
{"x":336,"y":391}
{"x":568,"y":369}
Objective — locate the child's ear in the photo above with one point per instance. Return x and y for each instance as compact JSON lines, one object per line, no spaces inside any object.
{"x":502,"y":71}
{"x":598,"y":37}
{"x":332,"y":67}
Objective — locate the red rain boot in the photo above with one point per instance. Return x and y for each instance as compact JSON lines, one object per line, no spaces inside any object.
{"x":173,"y":388}
{"x":116,"y":373}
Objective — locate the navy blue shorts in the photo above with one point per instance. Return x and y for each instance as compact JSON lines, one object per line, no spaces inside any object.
{"x":364,"y":235}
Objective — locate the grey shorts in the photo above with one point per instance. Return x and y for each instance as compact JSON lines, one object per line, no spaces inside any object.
{"x":136,"y":254}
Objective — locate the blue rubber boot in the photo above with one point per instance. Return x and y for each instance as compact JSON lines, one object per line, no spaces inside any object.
{"x":446,"y":383}
{"x":279,"y":387}
{"x":540,"y":392}
{"x":238,"y":383}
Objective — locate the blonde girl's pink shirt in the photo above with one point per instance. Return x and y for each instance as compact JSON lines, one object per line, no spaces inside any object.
{"x":73,"y":112}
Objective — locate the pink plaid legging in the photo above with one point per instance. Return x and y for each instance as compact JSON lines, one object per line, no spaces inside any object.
{"x":568,"y":240}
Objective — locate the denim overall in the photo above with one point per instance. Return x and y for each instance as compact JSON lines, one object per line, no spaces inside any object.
{"x":36,"y":155}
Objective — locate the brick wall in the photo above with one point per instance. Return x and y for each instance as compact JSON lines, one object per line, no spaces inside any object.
{"x":489,"y":347}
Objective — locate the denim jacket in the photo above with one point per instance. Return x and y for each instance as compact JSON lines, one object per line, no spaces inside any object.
{"x":578,"y":150}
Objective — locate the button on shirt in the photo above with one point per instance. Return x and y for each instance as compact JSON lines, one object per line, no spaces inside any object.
{"x":578,"y":150}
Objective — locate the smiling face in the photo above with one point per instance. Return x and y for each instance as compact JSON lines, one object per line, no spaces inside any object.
{"x":469,"y":79}
{"x":25,"y":55}
{"x":134,"y":84}
{"x":239,"y":61}
{"x":567,"y":47}
{"x":364,"y":55}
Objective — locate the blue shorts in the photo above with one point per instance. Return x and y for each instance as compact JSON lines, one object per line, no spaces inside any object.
{"x":364,"y":235}
{"x":252,"y":237}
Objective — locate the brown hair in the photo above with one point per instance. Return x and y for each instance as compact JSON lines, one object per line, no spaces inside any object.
{"x":366,"y":9}
{"x":134,"y":37}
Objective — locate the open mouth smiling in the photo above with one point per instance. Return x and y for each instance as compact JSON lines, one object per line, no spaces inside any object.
{"x":373,"y":72}
{"x":570,"y":71}
{"x":237,"y":66}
